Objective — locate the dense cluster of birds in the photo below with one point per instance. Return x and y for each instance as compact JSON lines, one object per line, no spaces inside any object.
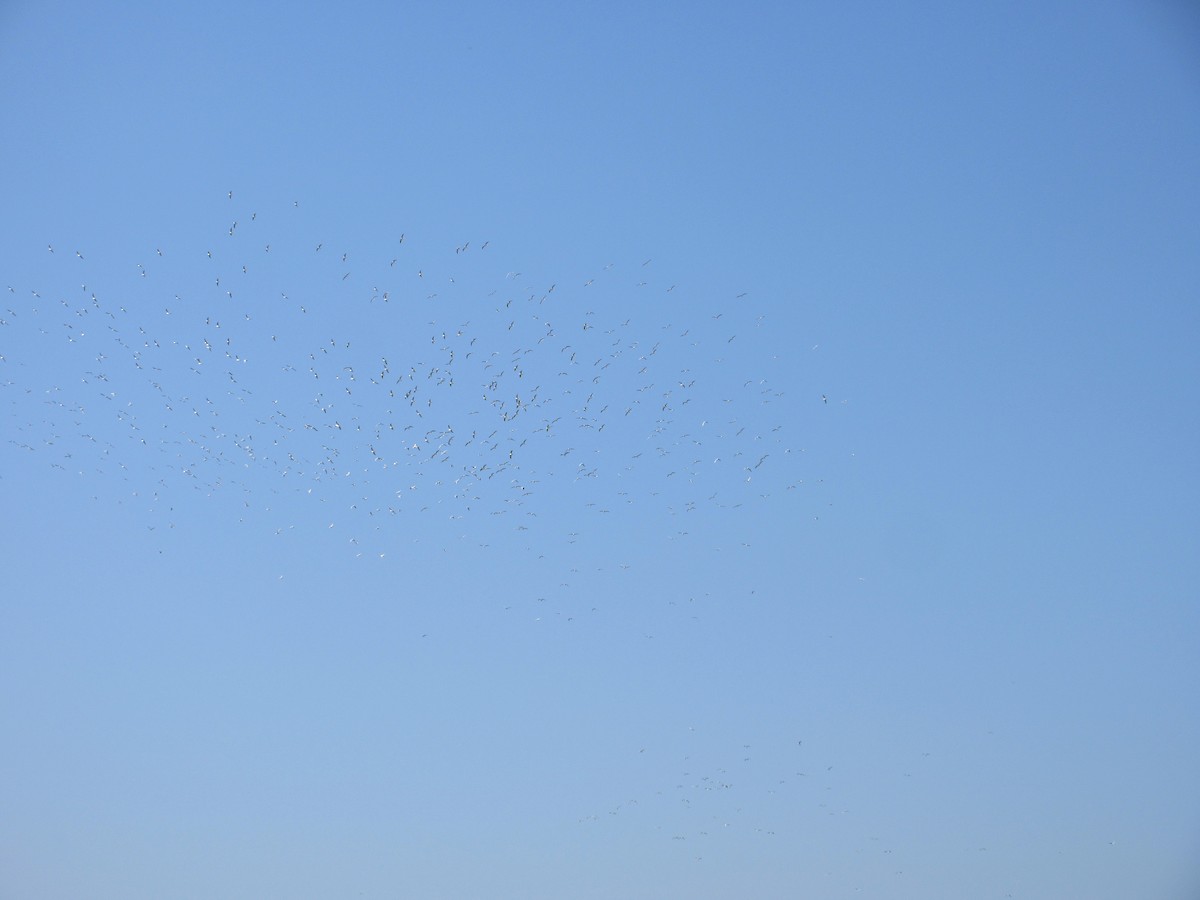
{"x":419,"y":388}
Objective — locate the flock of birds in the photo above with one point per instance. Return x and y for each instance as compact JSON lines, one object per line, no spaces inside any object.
{"x":419,"y":389}
{"x":386,"y":399}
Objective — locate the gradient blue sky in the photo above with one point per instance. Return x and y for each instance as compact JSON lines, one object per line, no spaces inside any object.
{"x":852,"y":554}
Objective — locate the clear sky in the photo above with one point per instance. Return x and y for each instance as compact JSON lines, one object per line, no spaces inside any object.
{"x":528,"y":451}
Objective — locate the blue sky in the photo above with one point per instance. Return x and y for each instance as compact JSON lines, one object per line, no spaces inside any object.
{"x":714,"y":451}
